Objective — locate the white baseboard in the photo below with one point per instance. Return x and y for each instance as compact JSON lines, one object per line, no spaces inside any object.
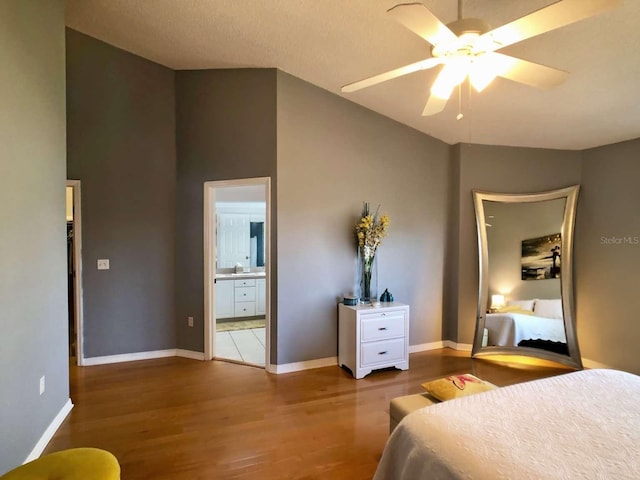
{"x":330,"y":361}
{"x":593,"y":364}
{"x":129,"y":357}
{"x":464,"y":347}
{"x":306,"y":365}
{"x":425,"y":347}
{"x":277,"y":369}
{"x":189,"y":354}
{"x":50,"y":431}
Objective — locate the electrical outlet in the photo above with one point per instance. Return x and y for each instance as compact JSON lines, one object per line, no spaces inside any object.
{"x":41,"y":385}
{"x":190,"y":321}
{"x":103,"y":264}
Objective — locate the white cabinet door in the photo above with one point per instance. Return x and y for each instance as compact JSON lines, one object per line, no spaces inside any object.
{"x":233,"y":240}
{"x":225,"y":303}
{"x":261,"y":296}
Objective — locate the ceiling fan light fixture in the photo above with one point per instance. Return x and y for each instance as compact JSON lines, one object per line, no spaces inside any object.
{"x":451,"y":75}
{"x":468,"y":39}
{"x":481,"y":74}
{"x":481,"y":80}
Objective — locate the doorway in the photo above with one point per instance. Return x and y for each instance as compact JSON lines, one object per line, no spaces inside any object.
{"x":237,"y":270}
{"x":74,"y":271}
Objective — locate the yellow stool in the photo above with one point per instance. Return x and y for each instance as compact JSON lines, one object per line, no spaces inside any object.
{"x":73,"y":464}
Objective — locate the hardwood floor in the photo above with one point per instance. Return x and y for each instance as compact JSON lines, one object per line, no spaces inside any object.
{"x":175,"y":418}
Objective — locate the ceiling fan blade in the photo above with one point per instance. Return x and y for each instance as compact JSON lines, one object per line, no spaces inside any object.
{"x":417,"y":18}
{"x":544,"y":20}
{"x":448,"y":78}
{"x":398,"y":72}
{"x":522,"y":71}
{"x":434,"y":105}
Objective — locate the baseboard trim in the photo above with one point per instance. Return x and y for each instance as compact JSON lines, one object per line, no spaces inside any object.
{"x":277,"y":369}
{"x":129,"y":357}
{"x":425,"y":347}
{"x":299,"y":366}
{"x":464,"y":347}
{"x":331,"y":361}
{"x":50,"y":431}
{"x":593,"y":364}
{"x":189,"y":354}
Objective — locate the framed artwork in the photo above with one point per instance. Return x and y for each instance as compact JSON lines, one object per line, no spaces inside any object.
{"x":541,"y":257}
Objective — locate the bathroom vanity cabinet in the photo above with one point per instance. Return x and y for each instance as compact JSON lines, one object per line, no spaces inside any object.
{"x":237,"y":296}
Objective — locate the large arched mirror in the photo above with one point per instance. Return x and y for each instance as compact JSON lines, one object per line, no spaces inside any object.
{"x":525,"y":300}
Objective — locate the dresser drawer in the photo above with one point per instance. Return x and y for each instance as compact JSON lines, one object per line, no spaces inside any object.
{"x":245,"y":309}
{"x":386,"y":351}
{"x":245,"y":294}
{"x":249,"y":282}
{"x":380,"y":327}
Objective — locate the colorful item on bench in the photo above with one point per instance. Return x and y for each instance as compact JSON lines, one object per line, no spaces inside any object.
{"x":456,"y":386}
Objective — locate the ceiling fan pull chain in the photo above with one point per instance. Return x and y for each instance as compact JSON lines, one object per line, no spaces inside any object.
{"x":460,"y":115}
{"x":470,"y":110}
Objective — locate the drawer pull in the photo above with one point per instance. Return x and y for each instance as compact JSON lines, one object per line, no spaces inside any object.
{"x":382,"y":353}
{"x":382,"y":328}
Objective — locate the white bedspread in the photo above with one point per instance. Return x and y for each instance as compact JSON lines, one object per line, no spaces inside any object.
{"x":582,"y":425}
{"x":508,"y":329}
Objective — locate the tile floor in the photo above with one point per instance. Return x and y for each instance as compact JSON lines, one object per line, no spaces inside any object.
{"x":241,"y":345}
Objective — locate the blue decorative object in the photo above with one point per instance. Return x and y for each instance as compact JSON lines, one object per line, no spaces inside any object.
{"x":350,"y":300}
{"x":386,"y":296}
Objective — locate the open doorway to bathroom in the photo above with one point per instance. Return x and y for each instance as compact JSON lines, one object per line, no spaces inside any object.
{"x":237,"y":235}
{"x":74,"y":271}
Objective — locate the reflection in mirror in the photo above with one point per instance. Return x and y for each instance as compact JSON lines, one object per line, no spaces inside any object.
{"x":525,"y":303}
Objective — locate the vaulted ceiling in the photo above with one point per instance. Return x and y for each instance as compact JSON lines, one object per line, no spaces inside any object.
{"x":330,"y":43}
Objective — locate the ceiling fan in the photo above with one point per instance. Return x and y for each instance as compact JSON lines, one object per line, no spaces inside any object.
{"x":468,"y":48}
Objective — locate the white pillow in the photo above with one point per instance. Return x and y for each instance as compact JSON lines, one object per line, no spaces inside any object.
{"x":548,"y":308}
{"x":523,"y":304}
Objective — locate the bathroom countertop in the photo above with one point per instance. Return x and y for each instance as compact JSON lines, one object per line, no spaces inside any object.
{"x":238,"y":276}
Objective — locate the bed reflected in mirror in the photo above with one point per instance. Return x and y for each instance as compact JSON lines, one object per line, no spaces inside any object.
{"x":525,"y":301}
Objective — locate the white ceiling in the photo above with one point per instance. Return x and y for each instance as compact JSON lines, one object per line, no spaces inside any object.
{"x":333,"y":42}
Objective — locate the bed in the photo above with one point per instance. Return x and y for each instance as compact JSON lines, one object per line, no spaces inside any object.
{"x":509,"y":329}
{"x":526,"y":320}
{"x":583,"y":424}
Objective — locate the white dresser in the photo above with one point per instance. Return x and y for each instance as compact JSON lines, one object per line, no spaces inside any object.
{"x":371,"y":338}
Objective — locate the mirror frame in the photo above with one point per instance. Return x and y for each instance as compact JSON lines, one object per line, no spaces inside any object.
{"x":570,"y":194}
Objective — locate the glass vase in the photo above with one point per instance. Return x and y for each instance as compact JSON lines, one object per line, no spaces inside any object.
{"x":367,"y":275}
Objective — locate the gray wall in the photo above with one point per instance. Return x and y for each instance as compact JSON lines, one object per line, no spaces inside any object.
{"x":226,"y":129}
{"x":608,"y":256}
{"x":332,"y":156}
{"x":121,"y":145}
{"x":452,"y":249}
{"x":505,"y":170}
{"x":33,"y":283}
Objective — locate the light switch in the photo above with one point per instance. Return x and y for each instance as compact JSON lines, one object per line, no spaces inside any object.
{"x":103,"y":264}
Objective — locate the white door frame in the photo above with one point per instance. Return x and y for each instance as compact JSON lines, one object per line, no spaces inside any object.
{"x":210,"y":242}
{"x":77,"y":262}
